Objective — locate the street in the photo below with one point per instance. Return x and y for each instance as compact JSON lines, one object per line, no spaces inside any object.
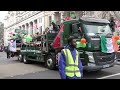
{"x":13,"y":69}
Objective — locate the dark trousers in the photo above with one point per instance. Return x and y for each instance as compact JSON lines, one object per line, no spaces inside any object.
{"x":8,"y":54}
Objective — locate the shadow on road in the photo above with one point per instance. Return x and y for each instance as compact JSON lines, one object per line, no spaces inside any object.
{"x":95,"y":74}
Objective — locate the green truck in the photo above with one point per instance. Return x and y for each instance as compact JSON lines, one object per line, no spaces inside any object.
{"x":43,"y":50}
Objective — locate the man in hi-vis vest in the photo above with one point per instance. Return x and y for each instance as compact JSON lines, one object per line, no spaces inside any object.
{"x":70,"y":65}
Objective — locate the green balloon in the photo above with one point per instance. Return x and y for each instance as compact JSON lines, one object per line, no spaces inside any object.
{"x":52,"y":21}
{"x":28,"y":38}
{"x":83,"y":45}
{"x":118,"y":42}
{"x":78,"y":45}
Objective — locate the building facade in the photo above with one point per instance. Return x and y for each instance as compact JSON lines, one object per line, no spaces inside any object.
{"x":1,"y":32}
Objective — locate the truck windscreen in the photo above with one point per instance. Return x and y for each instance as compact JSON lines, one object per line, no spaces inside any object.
{"x":92,"y":29}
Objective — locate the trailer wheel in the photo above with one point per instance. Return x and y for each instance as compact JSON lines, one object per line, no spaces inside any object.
{"x":20,"y":58}
{"x":25,"y":61}
{"x":50,"y":63}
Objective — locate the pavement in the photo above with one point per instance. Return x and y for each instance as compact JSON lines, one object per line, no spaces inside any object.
{"x":13,"y":69}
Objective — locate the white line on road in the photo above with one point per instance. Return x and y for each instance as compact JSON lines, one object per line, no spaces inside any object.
{"x":109,"y":76}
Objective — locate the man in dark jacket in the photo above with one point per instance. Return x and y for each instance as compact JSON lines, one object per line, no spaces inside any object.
{"x":112,"y":23}
{"x":8,"y":51}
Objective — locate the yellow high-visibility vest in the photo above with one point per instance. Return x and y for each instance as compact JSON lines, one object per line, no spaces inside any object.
{"x":71,"y":68}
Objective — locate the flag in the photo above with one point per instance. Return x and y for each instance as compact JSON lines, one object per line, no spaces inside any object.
{"x":115,"y":45}
{"x":56,"y":42}
{"x":13,"y":46}
{"x":68,"y":18}
{"x":108,"y":45}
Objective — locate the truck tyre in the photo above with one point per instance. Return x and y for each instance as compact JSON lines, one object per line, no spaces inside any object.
{"x":50,"y":63}
{"x":25,"y":60}
{"x":20,"y":58}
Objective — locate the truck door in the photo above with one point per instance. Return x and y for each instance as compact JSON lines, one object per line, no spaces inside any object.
{"x":38,"y":51}
{"x":76,"y":30}
{"x":31,"y":52}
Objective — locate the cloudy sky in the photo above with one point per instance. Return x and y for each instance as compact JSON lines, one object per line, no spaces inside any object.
{"x":2,"y":15}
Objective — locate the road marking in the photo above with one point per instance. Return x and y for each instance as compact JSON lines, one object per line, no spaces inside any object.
{"x":109,"y":76}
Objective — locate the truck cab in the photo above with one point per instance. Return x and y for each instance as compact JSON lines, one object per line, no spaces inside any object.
{"x":91,"y":29}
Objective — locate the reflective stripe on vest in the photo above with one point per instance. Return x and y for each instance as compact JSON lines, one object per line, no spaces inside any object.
{"x":71,"y":68}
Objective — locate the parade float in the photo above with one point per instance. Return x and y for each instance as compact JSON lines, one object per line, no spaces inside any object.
{"x":96,"y":44}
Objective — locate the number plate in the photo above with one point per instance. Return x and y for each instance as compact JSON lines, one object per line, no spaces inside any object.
{"x":91,"y":64}
{"x":105,"y":66}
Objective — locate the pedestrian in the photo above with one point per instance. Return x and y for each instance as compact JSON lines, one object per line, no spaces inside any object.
{"x":55,"y":27}
{"x":8,"y":51}
{"x":50,"y":27}
{"x":112,"y":23}
{"x":70,"y":65}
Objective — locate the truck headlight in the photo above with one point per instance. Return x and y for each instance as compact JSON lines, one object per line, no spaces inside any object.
{"x":91,"y":59}
{"x":90,"y":56}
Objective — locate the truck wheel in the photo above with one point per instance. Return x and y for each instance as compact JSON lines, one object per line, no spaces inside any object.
{"x":20,"y":58}
{"x":25,"y":61}
{"x":50,"y":63}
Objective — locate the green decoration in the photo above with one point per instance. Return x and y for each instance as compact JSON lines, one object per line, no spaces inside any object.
{"x":28,"y":38}
{"x":79,"y":44}
{"x":14,"y":37}
{"x":83,"y":45}
{"x":52,"y":21}
{"x":118,"y":42}
{"x":73,"y":14}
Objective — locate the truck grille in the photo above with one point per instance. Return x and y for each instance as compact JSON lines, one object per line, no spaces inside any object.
{"x":102,"y":58}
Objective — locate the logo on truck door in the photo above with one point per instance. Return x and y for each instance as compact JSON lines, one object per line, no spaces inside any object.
{"x":35,"y":51}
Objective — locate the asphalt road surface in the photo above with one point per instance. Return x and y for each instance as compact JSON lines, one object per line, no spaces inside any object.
{"x":13,"y":69}
{"x":111,"y":73}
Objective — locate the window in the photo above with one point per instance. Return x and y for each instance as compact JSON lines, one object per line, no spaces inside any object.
{"x":93,"y":29}
{"x":41,"y":29}
{"x":40,"y":20}
{"x":50,"y":20}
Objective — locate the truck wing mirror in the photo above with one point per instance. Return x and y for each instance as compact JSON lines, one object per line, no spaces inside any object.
{"x":112,"y":26}
{"x":80,"y":29}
